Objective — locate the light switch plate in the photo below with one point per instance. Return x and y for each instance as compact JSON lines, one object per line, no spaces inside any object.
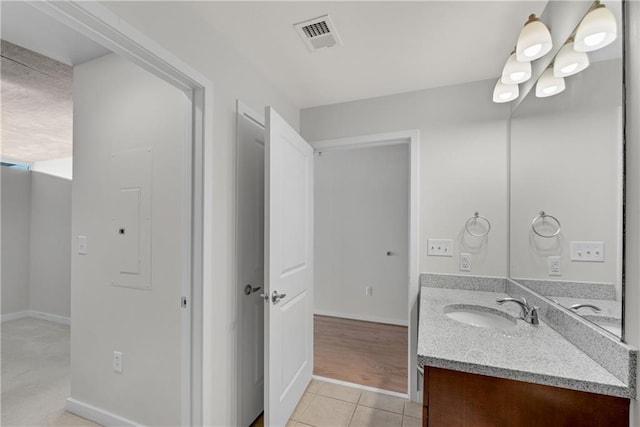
{"x":587,"y":251}
{"x":440,"y":247}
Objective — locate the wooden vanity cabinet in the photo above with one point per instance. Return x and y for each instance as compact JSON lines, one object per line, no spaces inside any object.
{"x":453,"y":398}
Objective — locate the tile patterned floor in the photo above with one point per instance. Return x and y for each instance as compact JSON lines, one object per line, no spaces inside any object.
{"x":331,"y":405}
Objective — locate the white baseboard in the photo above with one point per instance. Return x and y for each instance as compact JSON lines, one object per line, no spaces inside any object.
{"x":14,"y":316}
{"x":365,"y":318}
{"x":361,"y":387}
{"x":50,"y":317}
{"x":97,"y":415}
{"x":38,"y":315}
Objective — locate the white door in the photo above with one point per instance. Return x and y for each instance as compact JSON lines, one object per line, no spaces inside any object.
{"x":250,"y":146}
{"x":288,"y":268}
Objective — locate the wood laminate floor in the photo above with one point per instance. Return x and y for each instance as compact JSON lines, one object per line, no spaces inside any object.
{"x":366,"y":353}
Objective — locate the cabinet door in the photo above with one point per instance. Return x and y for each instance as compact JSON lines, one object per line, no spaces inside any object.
{"x":455,"y":398}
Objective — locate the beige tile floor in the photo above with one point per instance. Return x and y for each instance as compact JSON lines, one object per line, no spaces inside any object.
{"x":331,"y":405}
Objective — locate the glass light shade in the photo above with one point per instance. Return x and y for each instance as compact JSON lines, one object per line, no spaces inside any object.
{"x":504,"y":92}
{"x":549,"y":85}
{"x":515,"y":72}
{"x":534,"y":41}
{"x":596,"y":30}
{"x":569,"y":62}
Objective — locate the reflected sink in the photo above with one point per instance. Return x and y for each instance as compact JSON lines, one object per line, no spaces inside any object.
{"x":607,"y":323}
{"x":481,"y":316}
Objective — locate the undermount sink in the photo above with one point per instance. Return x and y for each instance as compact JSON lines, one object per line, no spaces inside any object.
{"x":481,"y":316}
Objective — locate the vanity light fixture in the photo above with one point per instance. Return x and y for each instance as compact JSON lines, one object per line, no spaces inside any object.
{"x":548,"y":84}
{"x":534,"y":40}
{"x":505,"y":92}
{"x":569,"y":61}
{"x":597,"y":29}
{"x":515,"y":72}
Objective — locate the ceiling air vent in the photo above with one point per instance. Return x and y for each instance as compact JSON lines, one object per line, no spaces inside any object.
{"x":318,"y":33}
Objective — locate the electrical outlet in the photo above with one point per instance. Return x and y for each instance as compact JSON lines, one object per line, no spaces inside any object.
{"x":439,"y":247}
{"x":117,"y":362}
{"x":82,"y":245}
{"x":465,"y":262}
{"x":555,"y":268}
{"x":368,"y":291}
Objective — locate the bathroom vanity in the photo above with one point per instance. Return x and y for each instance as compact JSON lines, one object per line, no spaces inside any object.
{"x":454,"y":398}
{"x":512,"y":373}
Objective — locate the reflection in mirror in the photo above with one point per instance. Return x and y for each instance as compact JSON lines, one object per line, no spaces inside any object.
{"x":566,"y":190}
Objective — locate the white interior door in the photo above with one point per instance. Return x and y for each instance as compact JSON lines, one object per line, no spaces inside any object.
{"x":288,"y":268}
{"x":250,"y":145}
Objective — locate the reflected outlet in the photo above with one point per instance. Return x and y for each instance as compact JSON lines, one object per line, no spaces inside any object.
{"x":555,"y":268}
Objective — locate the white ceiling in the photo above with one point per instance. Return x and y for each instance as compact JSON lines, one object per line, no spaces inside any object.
{"x":25,"y":26}
{"x":388,"y":47}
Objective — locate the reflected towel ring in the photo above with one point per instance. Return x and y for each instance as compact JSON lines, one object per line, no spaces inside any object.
{"x":544,"y":216}
{"x":476,"y":216}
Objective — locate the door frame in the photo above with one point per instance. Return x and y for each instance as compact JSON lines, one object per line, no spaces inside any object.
{"x":104,"y":27}
{"x":411,"y":137}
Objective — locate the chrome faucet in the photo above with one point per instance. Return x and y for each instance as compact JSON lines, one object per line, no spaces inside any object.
{"x":528,"y":313}
{"x":595,"y":308}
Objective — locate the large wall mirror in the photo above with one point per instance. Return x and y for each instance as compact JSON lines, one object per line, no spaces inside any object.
{"x":567,"y":160}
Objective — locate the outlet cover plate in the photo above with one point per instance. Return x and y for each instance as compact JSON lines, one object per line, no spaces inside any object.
{"x":440,"y":247}
{"x":117,"y":362}
{"x":555,"y":266}
{"x":587,"y":251}
{"x":465,"y":262}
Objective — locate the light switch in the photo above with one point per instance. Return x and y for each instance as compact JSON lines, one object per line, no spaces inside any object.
{"x":587,"y":251}
{"x":82,"y":245}
{"x":439,"y":247}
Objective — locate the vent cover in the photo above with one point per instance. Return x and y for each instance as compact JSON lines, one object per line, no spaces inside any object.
{"x":318,"y":33}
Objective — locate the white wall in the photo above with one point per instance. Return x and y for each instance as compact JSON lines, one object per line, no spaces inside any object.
{"x":361,"y":212}
{"x":119,"y":107}
{"x":36,"y":245}
{"x":62,"y":168}
{"x":463,"y":155}
{"x":632,"y":236}
{"x":16,"y":230}
{"x":50,"y":260}
{"x":189,"y":37}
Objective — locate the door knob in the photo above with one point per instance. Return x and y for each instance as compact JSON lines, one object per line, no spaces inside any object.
{"x":248,"y":290}
{"x":275,"y":296}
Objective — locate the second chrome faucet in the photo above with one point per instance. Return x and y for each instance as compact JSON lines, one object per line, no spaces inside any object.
{"x":528,"y":313}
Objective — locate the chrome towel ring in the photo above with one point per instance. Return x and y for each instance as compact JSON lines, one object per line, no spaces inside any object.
{"x":476,"y":216}
{"x":543,"y":216}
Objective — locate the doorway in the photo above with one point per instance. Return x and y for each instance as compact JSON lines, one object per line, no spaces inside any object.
{"x":366,"y":259}
{"x":250,"y":232}
{"x":97,"y":23}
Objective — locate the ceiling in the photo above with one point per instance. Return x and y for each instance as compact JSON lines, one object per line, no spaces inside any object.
{"x":37,"y":79}
{"x":388,"y":47}
{"x":37,"y":106}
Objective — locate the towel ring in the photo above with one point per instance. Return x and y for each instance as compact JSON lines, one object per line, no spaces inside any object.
{"x":476,"y":216}
{"x":544,"y":216}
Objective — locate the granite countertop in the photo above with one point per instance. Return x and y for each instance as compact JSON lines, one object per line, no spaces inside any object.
{"x":535,"y":354}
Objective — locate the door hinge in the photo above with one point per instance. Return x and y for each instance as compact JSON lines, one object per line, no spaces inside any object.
{"x":183,"y":302}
